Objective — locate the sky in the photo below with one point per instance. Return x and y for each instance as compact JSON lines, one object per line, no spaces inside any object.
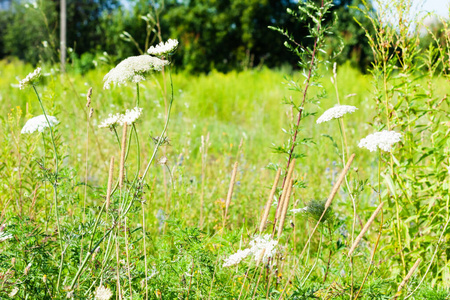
{"x":439,"y":7}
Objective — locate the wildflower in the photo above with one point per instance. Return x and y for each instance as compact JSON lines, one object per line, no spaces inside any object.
{"x":130,"y":116}
{"x":263,"y":244}
{"x":382,"y":140}
{"x":133,"y":70}
{"x":39,"y":123}
{"x":162,"y":161}
{"x":13,"y":292}
{"x":299,"y":210}
{"x":163,"y":48}
{"x":111,"y":121}
{"x":102,"y":293}
{"x":236,"y":258}
{"x":261,"y":247}
{"x":336,"y":112}
{"x":31,"y":79}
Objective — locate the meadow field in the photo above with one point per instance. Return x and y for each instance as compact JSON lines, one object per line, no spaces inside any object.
{"x":201,"y":195}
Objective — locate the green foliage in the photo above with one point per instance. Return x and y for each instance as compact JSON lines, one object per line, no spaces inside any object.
{"x":149,"y":237}
{"x":221,"y":35}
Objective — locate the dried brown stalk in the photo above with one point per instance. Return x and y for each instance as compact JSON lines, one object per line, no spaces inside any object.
{"x":269,"y":202}
{"x":230,"y":192}
{"x":327,"y":204}
{"x":407,"y":277}
{"x":339,"y":181}
{"x":285,"y":207}
{"x":365,"y":228}
{"x":283,"y":193}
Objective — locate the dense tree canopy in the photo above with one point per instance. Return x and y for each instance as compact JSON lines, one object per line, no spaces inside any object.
{"x":213,"y":34}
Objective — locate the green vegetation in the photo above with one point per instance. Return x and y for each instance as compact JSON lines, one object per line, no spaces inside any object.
{"x":187,"y":218}
{"x":214,"y":35}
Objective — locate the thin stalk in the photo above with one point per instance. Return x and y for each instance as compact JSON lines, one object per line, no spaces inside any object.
{"x":158,"y":144}
{"x":344,"y":145}
{"x":88,"y":255}
{"x":137,"y":94}
{"x":128,"y":259}
{"x":379,"y":230}
{"x":315,"y":262}
{"x":55,"y":187}
{"x":327,"y":205}
{"x":305,"y":91}
{"x":138,"y":149}
{"x":145,"y":249}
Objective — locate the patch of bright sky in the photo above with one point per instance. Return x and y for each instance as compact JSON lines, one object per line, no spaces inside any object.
{"x":438,"y":7}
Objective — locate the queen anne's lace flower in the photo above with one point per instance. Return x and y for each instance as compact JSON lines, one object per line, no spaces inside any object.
{"x":261,"y":247}
{"x":133,"y":69}
{"x":336,"y":112}
{"x":163,"y":48}
{"x":31,"y":79}
{"x":384,"y":140}
{"x":299,"y":210}
{"x":129,"y":117}
{"x":236,"y":258}
{"x":38,"y":123}
{"x":112,"y":120}
{"x":102,"y":293}
{"x":263,"y":244}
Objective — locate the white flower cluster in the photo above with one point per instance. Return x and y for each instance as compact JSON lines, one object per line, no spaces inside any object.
{"x":236,"y":258}
{"x":31,"y":79}
{"x":5,"y":236}
{"x":299,"y":210}
{"x":102,"y":293}
{"x":38,"y":123}
{"x":163,"y":48}
{"x":336,"y":112}
{"x":261,"y":247}
{"x":133,"y":70}
{"x":384,"y":140}
{"x":129,"y":117}
{"x":13,"y":292}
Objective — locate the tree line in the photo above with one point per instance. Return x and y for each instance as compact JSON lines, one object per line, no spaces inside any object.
{"x":214,"y":34}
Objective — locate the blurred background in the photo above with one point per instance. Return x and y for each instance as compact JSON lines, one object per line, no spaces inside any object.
{"x":221,"y":35}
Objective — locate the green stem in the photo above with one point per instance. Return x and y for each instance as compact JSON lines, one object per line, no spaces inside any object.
{"x":158,"y":144}
{"x":137,"y":94}
{"x":90,"y":252}
{"x":138,"y":148}
{"x":55,"y":186}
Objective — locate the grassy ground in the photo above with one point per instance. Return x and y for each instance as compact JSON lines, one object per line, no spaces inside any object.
{"x":243,"y":115}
